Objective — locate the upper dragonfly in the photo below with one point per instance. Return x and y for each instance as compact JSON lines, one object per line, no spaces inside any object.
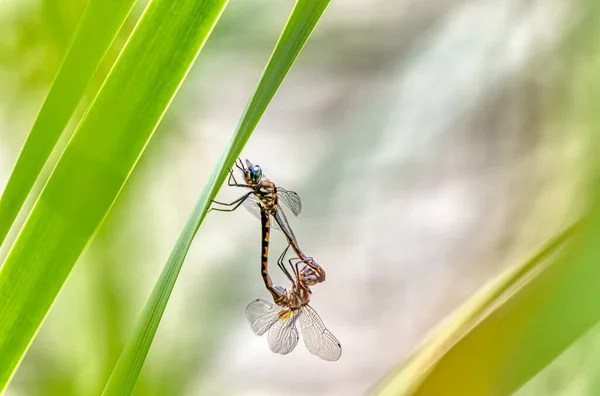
{"x":292,"y":306}
{"x":265,"y":194}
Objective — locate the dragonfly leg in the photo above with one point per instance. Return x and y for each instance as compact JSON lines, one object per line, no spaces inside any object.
{"x":295,"y":267}
{"x":231,"y":176}
{"x":294,"y":259}
{"x":308,"y":261}
{"x":295,"y":262}
{"x":281,"y":264}
{"x":286,"y":272}
{"x":283,"y":254}
{"x":235,"y":183}
{"x":240,"y":166}
{"x":235,"y":203}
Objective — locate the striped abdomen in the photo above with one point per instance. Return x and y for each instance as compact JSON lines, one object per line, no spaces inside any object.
{"x":279,"y":293}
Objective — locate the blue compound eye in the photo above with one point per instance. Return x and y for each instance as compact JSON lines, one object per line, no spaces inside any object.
{"x":256,"y":173}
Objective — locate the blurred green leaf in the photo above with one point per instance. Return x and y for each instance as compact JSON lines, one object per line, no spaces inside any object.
{"x":535,"y":324}
{"x":97,"y":30}
{"x":300,"y":25}
{"x":96,"y":164}
{"x":407,"y":378}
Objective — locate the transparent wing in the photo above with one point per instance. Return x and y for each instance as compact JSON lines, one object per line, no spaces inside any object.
{"x":283,"y":335}
{"x":318,"y":340}
{"x":251,"y":204}
{"x":290,"y":199}
{"x":262,"y":315}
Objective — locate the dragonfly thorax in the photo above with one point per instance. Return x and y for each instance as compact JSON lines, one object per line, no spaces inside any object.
{"x":266,"y":192}
{"x":297,"y":296}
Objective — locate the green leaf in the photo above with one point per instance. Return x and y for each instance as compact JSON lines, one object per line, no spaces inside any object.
{"x":96,"y":164}
{"x":96,"y":32}
{"x":300,"y":25}
{"x":416,"y":371}
{"x":551,"y":309}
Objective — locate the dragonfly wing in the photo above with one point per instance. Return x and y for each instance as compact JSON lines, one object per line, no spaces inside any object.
{"x":318,"y":340}
{"x":283,"y":335}
{"x":251,"y":204}
{"x":262,"y":315}
{"x":291,"y":199}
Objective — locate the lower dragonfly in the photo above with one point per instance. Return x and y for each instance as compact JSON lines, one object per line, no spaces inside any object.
{"x":291,"y":307}
{"x":266,"y":195}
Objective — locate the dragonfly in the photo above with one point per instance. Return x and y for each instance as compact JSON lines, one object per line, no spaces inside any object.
{"x":291,"y":307}
{"x":264,"y":194}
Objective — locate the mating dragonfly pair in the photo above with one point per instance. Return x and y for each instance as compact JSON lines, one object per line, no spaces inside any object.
{"x":292,"y":303}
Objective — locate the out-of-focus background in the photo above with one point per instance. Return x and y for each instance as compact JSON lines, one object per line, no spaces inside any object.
{"x":433,"y":143}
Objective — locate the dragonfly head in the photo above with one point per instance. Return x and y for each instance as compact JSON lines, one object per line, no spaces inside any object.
{"x":312,"y":273}
{"x":252,"y":173}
